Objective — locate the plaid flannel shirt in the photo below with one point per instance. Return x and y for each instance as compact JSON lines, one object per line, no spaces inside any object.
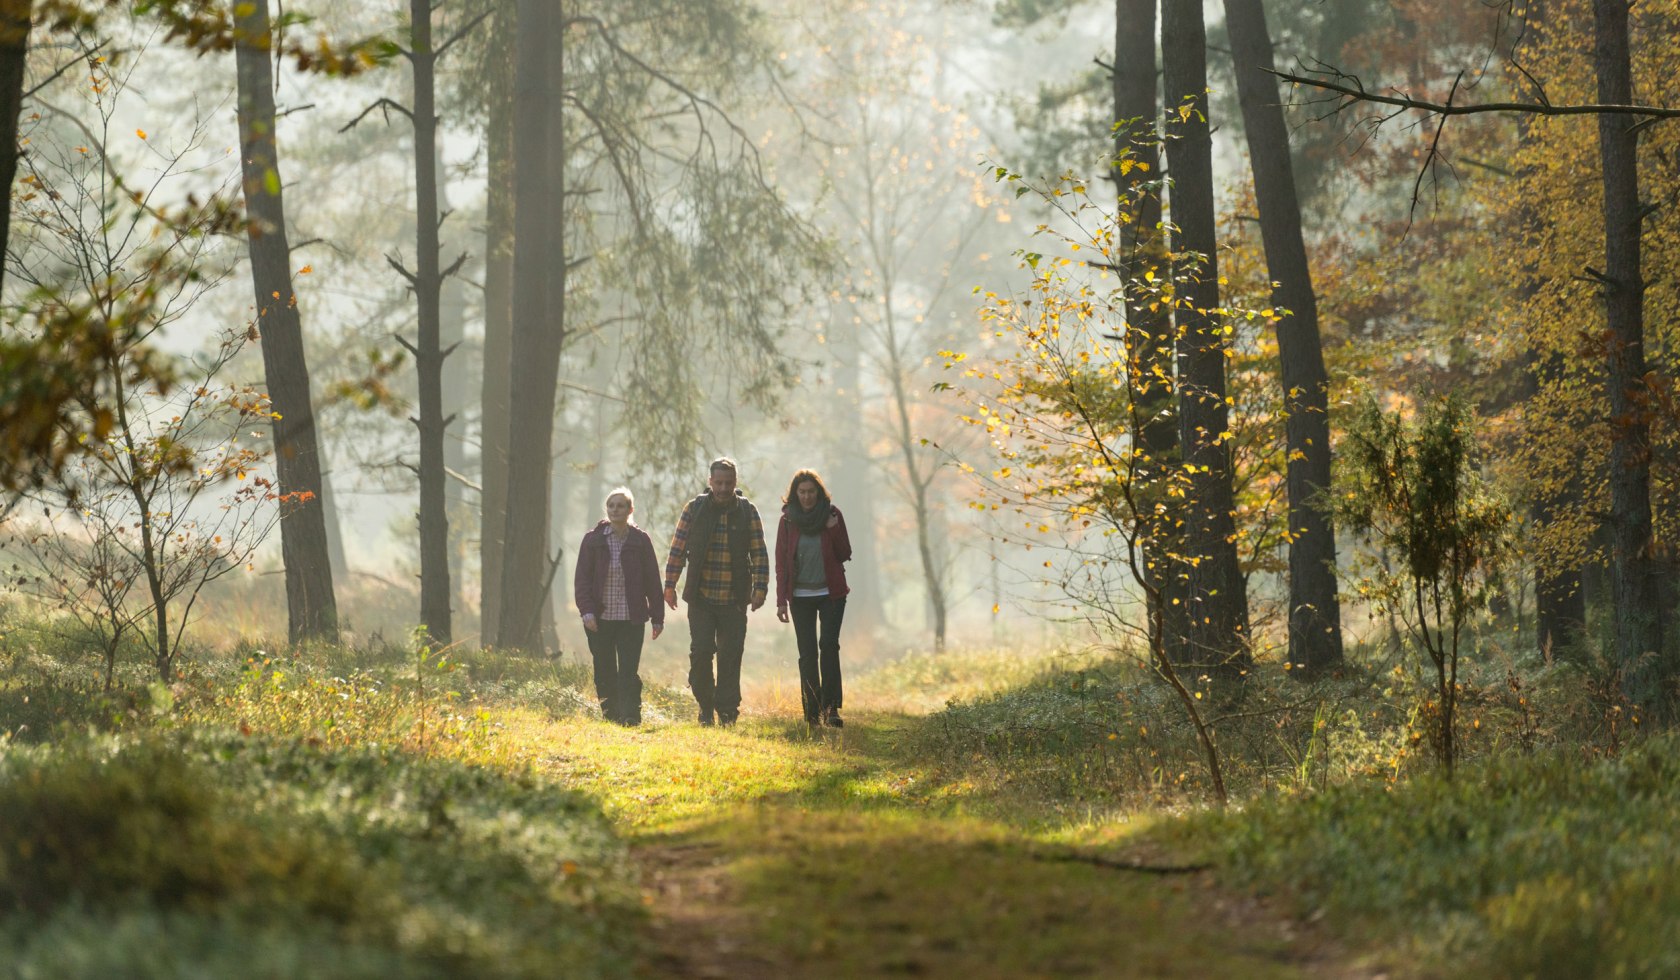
{"x":716,"y":572}
{"x":615,"y":598}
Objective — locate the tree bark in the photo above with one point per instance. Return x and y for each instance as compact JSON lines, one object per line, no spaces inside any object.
{"x":311,"y":610}
{"x":495,"y":401}
{"x":1315,"y":633}
{"x":452,"y":328}
{"x":15,"y":16}
{"x":1149,"y":333}
{"x":539,"y":298}
{"x":851,"y":484}
{"x":435,"y":591}
{"x":916,"y":477}
{"x":1633,"y":572}
{"x":1217,"y":604}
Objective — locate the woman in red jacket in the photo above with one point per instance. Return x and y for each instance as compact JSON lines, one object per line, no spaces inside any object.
{"x":617,"y":589}
{"x":811,"y":545}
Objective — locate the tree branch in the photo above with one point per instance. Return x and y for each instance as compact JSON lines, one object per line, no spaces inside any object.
{"x":1358,"y":93}
{"x":383,"y":104}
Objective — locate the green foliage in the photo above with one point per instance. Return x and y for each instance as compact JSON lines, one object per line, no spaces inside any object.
{"x":1412,"y":490}
{"x":347,"y":862}
{"x":1545,"y":867}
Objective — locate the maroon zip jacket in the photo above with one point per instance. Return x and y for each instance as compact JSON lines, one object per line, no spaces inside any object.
{"x":641,"y":575}
{"x":836,"y":548}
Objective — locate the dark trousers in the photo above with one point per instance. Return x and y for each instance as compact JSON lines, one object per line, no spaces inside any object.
{"x":820,"y":689}
{"x":716,"y":630}
{"x":616,"y":647}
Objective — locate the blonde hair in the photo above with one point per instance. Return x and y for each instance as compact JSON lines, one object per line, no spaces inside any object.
{"x":620,"y":492}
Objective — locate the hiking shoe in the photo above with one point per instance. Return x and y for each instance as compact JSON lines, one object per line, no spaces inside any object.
{"x":706,"y":718}
{"x":833,"y":720}
{"x":727,"y":721}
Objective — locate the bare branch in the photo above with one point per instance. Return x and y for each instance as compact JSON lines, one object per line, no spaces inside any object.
{"x":384,"y":105}
{"x":73,"y":62}
{"x":1358,"y":93}
{"x":466,"y":29}
{"x":391,"y":260}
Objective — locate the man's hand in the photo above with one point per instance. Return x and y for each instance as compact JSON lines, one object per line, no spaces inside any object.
{"x":781,"y":613}
{"x":590,"y":624}
{"x":758,"y":600}
{"x":671,"y":598}
{"x":658,"y":628}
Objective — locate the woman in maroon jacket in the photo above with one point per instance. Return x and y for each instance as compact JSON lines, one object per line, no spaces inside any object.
{"x":617,"y":590}
{"x":811,"y":547}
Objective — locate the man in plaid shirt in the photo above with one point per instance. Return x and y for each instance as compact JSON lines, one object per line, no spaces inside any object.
{"x":721,"y":539}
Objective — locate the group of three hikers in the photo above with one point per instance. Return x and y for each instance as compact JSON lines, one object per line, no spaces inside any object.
{"x":719,"y":537}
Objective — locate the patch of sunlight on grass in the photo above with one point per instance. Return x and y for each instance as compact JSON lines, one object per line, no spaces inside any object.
{"x":878,"y":892}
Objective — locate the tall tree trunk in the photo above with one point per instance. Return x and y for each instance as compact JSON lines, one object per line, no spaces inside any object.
{"x":851,"y":482}
{"x":335,"y":532}
{"x":1218,"y":606}
{"x":452,"y":327}
{"x":1315,"y":631}
{"x":495,"y":398}
{"x":1560,"y":597}
{"x":1633,"y":571}
{"x":311,"y":610}
{"x":539,"y":298}
{"x":435,"y":591}
{"x":15,"y":16}
{"x":1149,"y":333}
{"x":917,"y":480}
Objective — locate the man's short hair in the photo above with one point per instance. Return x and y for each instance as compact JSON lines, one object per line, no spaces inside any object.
{"x":723,"y":463}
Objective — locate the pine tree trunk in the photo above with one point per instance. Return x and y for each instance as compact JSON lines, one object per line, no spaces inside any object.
{"x":539,"y":295}
{"x":15,"y":16}
{"x":452,"y":328}
{"x":495,"y":399}
{"x":1315,"y":632}
{"x":435,"y":590}
{"x":311,"y":610}
{"x":1149,"y":334}
{"x":851,"y":484}
{"x":1633,"y":572}
{"x":1217,"y":604}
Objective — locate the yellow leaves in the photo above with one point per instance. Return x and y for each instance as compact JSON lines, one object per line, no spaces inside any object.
{"x":306,"y":270}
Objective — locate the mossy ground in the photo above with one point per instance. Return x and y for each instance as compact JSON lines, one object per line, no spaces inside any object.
{"x":352,"y":813}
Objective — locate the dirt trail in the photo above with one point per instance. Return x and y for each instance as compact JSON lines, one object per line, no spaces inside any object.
{"x":698,"y":928}
{"x":805,"y":885}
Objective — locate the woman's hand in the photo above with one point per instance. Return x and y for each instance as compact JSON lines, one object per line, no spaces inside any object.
{"x":833,"y":519}
{"x":658,"y":628}
{"x":781,"y":613}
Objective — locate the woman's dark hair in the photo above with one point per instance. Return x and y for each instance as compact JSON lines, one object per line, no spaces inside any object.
{"x":801,"y":477}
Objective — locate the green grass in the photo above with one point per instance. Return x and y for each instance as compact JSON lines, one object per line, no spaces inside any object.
{"x":184,"y":852}
{"x":345,"y":813}
{"x":1552,"y":866}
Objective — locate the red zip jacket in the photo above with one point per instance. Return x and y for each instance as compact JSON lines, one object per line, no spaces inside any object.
{"x":836,"y":548}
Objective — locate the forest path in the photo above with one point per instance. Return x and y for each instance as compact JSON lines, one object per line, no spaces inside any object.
{"x":773,"y":851}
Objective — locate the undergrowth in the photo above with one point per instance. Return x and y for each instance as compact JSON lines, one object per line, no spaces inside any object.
{"x":191,"y":853}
